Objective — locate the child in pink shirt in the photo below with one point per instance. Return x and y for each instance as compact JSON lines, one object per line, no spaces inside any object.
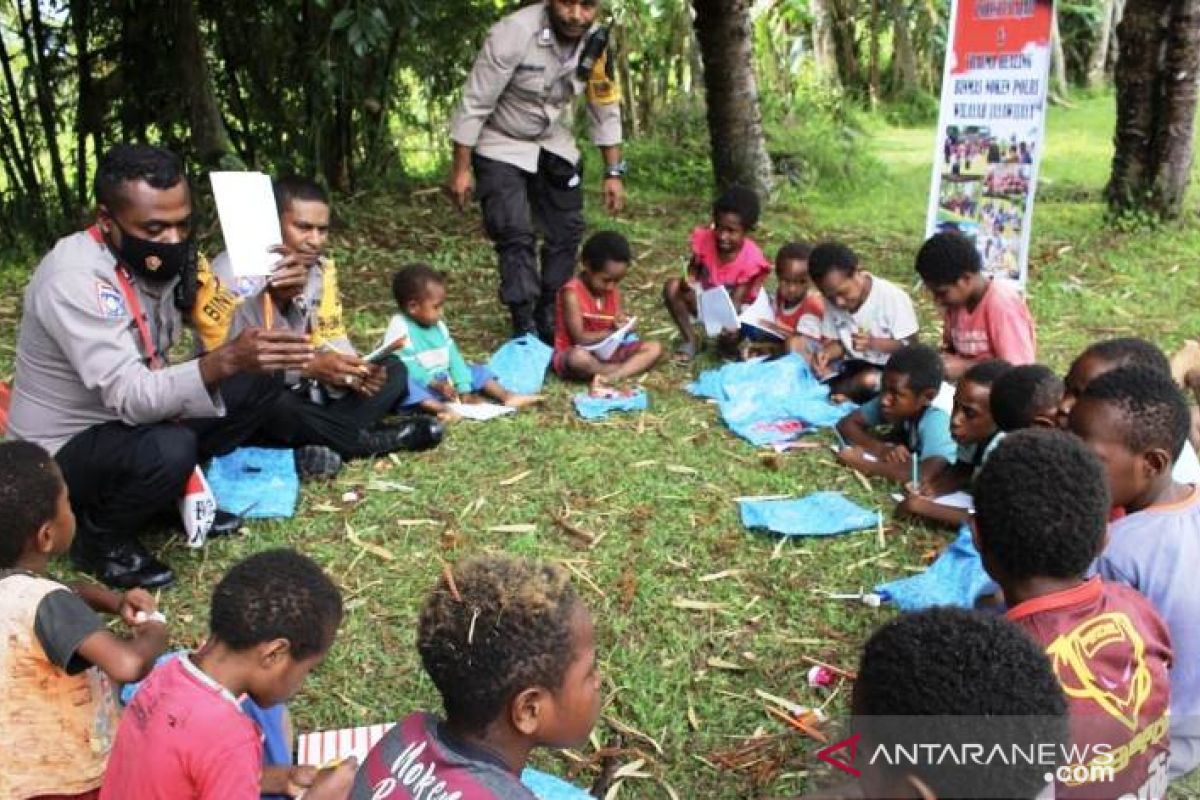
{"x":722,"y":255}
{"x":274,"y":617}
{"x":983,"y":318}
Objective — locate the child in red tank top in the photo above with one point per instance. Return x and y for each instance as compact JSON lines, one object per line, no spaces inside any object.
{"x":589,"y":311}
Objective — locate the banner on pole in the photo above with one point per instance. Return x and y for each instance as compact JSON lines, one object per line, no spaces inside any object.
{"x":990,"y":128}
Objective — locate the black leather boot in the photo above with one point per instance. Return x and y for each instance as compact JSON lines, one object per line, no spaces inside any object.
{"x":523,"y":321}
{"x":410,"y":433}
{"x":122,"y":563}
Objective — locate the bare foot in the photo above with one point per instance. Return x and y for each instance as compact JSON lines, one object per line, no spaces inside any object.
{"x":1185,"y":362}
{"x":522,"y":400}
{"x":448,"y":417}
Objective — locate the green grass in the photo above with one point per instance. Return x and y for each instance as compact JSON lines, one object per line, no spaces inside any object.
{"x":657,"y":487}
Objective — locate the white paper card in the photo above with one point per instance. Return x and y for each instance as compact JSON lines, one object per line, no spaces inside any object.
{"x":249,"y":220}
{"x":320,"y":748}
{"x":604,"y":350}
{"x":717,"y":311}
{"x":759,"y":312}
{"x":480,"y":412}
{"x":953,"y":500}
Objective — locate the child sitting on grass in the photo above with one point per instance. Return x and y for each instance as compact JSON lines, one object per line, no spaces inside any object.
{"x":975,"y":432}
{"x":1101,"y":357}
{"x":58,"y":661}
{"x":437,"y":372}
{"x":589,"y":310}
{"x":799,"y":307}
{"x":1136,"y":420}
{"x":512,"y":650}
{"x":923,"y":671}
{"x":982,"y":318}
{"x":1027,"y":396}
{"x":273,"y":618}
{"x":1041,"y":508}
{"x":721,"y":255}
{"x":911,"y":381}
{"x":867,"y":318}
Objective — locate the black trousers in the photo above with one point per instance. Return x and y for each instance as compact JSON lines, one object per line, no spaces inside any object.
{"x":516,"y":206}
{"x":296,"y":421}
{"x":123,"y":476}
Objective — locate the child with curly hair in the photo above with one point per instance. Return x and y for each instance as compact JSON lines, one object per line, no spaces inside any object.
{"x":512,"y":650}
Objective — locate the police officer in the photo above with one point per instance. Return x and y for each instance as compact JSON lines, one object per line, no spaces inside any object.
{"x":334,"y":406}
{"x":513,"y":128}
{"x":93,"y":383}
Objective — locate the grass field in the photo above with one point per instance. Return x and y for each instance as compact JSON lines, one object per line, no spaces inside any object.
{"x":656,"y":489}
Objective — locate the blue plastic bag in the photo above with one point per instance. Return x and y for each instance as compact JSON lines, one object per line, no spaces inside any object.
{"x":550,"y":787}
{"x":770,"y":401}
{"x":956,"y":578}
{"x":520,"y":364}
{"x":819,"y":514}
{"x":257,"y":482}
{"x":593,"y":408}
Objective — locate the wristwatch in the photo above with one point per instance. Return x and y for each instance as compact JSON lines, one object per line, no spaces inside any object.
{"x":616,"y":170}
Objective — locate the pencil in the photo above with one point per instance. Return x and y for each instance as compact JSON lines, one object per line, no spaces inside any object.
{"x":604,"y":317}
{"x":916,"y":471}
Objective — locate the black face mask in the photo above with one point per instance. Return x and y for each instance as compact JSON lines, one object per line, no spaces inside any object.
{"x":154,"y":262}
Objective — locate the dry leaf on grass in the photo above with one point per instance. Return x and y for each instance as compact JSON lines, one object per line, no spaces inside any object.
{"x":687,"y":604}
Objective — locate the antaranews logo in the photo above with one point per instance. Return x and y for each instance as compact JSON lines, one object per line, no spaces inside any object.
{"x":846,"y":764}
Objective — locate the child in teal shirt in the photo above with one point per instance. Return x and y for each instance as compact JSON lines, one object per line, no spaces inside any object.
{"x":437,"y":372}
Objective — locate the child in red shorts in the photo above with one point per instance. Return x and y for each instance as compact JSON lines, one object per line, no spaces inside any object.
{"x":589,"y":311}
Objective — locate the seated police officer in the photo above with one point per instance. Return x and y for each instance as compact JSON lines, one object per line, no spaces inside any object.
{"x":93,"y":382}
{"x":335,"y":405}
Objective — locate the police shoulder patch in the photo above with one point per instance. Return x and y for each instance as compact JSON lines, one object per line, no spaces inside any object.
{"x":110,"y":301}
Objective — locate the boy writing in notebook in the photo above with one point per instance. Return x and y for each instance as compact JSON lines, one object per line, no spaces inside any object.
{"x":273,"y":618}
{"x":867,"y":319}
{"x":975,"y":432}
{"x":920,"y":445}
{"x":589,"y":312}
{"x":1136,"y":420}
{"x":59,"y":662}
{"x":1041,"y":505}
{"x":982,"y":318}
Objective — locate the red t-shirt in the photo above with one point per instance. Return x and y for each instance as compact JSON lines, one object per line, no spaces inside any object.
{"x":999,"y":327}
{"x":608,"y":306}
{"x":804,"y":317}
{"x":749,"y":267}
{"x":1111,"y":652}
{"x":184,"y":736}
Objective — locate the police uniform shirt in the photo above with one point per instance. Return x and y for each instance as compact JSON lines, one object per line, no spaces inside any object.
{"x":80,"y":360}
{"x":518,"y":97}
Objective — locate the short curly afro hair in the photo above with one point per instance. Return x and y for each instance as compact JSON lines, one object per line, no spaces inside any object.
{"x":793,"y":251}
{"x":1041,"y":505}
{"x":277,"y":594}
{"x":1155,"y":412}
{"x":830,"y":257}
{"x":497,"y":626}
{"x":946,"y":257}
{"x":741,"y":201}
{"x":30,"y":485}
{"x":921,"y":363}
{"x":1021,"y":393}
{"x":931,"y":677}
{"x":987,"y":372}
{"x":1128,"y":351}
{"x":603,"y":247}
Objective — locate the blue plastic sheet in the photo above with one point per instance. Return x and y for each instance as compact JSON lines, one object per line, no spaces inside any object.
{"x":819,"y":514}
{"x":257,"y":482}
{"x":550,"y":787}
{"x":770,"y":401}
{"x":593,"y":408}
{"x":956,"y":578}
{"x":520,"y":364}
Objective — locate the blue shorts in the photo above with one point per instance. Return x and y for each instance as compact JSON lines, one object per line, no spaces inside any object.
{"x":419,"y":392}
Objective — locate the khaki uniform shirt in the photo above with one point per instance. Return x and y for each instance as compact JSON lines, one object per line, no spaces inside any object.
{"x":80,"y":360}
{"x":519,"y":97}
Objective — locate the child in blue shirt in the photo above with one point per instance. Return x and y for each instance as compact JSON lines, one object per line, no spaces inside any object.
{"x":1136,"y":421}
{"x":437,"y":372}
{"x":923,"y":446}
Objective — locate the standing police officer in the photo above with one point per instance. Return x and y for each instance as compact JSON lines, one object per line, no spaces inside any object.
{"x":513,"y":128}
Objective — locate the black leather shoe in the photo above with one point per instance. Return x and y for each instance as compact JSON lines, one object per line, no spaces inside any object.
{"x":225,"y":524}
{"x":121,"y":564}
{"x":412,"y":433}
{"x":522,"y":319}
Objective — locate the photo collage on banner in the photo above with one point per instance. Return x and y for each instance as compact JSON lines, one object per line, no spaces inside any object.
{"x":991,"y":128}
